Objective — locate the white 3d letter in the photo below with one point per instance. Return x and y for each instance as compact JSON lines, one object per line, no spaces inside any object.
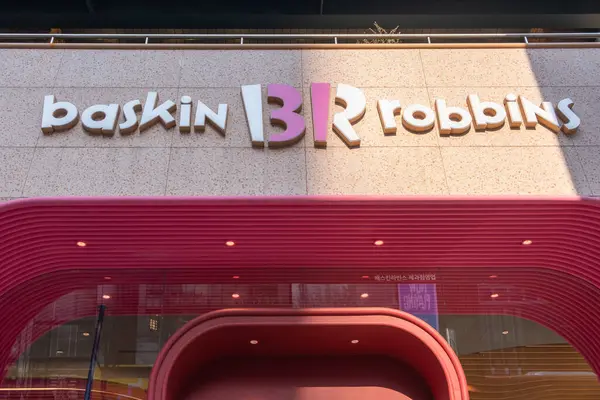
{"x":388,"y":109}
{"x":101,"y":118}
{"x":185,"y":114}
{"x":152,"y":114}
{"x":251,"y":95}
{"x":131,"y":121}
{"x":533,"y":114}
{"x":514,"y":113}
{"x":452,"y":120}
{"x":418,"y":118}
{"x":570,"y":119}
{"x":58,"y":116}
{"x":486,"y":115}
{"x":218,"y":120}
{"x":355,"y":103}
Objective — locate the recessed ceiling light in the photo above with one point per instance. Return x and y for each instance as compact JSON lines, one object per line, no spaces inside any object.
{"x":364,"y":295}
{"x":86,"y":334}
{"x":505,"y":332}
{"x":365,"y":276}
{"x":236,"y":277}
{"x":81,"y":244}
{"x":493,"y":276}
{"x":254,"y":341}
{"x":235,"y":295}
{"x":378,"y":243}
{"x":527,"y":242}
{"x":494,"y":295}
{"x":230,"y":243}
{"x":355,"y":341}
{"x":106,"y":296}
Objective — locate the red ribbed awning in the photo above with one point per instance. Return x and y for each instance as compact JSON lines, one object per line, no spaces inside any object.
{"x":302,"y":239}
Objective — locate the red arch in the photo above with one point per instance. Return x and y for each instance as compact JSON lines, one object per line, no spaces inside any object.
{"x":381,"y":331}
{"x":39,"y":260}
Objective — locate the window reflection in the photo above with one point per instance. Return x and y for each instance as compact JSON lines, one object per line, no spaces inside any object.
{"x":504,"y":356}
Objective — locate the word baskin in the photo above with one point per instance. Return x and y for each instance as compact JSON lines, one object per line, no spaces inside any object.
{"x":103,"y":119}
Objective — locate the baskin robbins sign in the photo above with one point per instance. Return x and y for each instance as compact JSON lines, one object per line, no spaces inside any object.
{"x":105,"y":119}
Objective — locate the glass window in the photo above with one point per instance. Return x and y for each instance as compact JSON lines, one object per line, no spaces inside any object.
{"x":504,"y":355}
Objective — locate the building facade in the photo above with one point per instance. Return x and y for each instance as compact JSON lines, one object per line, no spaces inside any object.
{"x":453,"y":184}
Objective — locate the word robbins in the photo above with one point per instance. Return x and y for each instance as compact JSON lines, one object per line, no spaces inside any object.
{"x":103,"y":118}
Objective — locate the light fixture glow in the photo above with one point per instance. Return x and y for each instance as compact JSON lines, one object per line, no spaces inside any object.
{"x":355,"y":341}
{"x":378,"y":243}
{"x":493,"y":276}
{"x":59,"y":352}
{"x":81,"y":244}
{"x":153,"y":324}
{"x":106,"y":296}
{"x":527,"y":242}
{"x":236,"y":277}
{"x":494,"y":295}
{"x":365,"y":276}
{"x":364,"y":295}
{"x":253,"y":341}
{"x":505,"y":332}
{"x":235,"y":295}
{"x":86,"y":334}
{"x":230,"y":243}
{"x":107,"y":278}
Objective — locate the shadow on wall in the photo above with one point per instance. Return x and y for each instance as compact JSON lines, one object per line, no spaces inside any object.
{"x":573,"y":73}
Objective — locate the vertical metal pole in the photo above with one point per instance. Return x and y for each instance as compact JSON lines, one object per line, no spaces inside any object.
{"x":90,"y":379}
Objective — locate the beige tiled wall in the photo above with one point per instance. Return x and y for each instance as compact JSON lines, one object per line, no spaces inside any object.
{"x":166,"y":162}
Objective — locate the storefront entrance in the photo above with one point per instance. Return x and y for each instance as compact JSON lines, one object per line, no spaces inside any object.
{"x":312,"y":353}
{"x":314,"y":378}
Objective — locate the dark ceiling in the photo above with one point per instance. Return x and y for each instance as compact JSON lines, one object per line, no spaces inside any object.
{"x":299,"y":14}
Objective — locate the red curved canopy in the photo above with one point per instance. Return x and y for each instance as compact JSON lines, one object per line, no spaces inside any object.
{"x":558,"y":274}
